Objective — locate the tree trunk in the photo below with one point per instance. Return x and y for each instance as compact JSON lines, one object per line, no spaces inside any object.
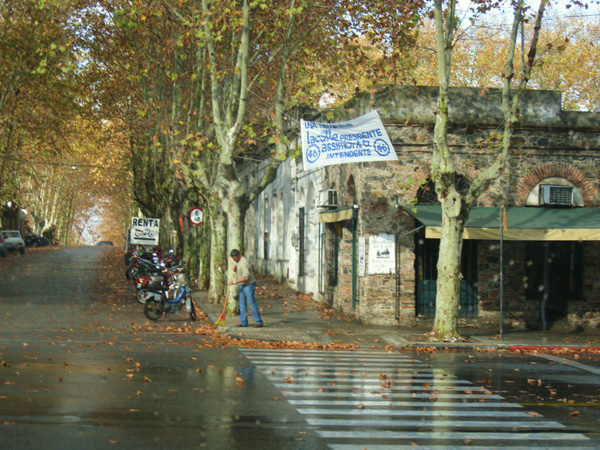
{"x":218,"y":260}
{"x":448,"y":283}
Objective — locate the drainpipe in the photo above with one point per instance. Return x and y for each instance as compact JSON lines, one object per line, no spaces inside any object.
{"x":354,"y":256}
{"x":546,"y":295}
{"x":397,"y":262}
{"x":502,"y":221}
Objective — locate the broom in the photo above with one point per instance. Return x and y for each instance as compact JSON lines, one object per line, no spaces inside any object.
{"x":221,"y":320}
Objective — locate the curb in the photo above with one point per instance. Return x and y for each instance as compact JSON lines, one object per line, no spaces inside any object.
{"x":533,"y":348}
{"x":401,"y":342}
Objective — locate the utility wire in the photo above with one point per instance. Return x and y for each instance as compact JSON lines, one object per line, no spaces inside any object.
{"x":65,"y":164}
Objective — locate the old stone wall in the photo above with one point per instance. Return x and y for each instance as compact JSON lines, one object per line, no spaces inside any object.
{"x":548,"y":142}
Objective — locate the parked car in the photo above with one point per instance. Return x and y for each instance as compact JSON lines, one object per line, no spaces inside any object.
{"x":13,"y":241}
{"x":3,"y":250}
{"x":104,"y":243}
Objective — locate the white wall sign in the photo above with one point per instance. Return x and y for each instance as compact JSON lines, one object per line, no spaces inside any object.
{"x":361,"y":256}
{"x":358,"y":140}
{"x":382,"y":254}
{"x":144,"y":231}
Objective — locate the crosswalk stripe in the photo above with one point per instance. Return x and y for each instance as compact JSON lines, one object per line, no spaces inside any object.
{"x":392,"y":395}
{"x":332,"y":356}
{"x":403,"y":423}
{"x":373,"y":398}
{"x":469,"y":435}
{"x":334,"y":372}
{"x":299,"y":384}
{"x":395,"y":404}
{"x":349,"y":364}
{"x":322,"y":353}
{"x":451,"y":447}
{"x":337,"y":360}
{"x":441,"y":413}
{"x":299,"y":378}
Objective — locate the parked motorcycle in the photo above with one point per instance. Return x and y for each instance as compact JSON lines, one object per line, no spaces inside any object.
{"x":31,"y":240}
{"x":142,"y":264}
{"x":133,"y":252}
{"x":159,"y":279}
{"x":159,"y":299}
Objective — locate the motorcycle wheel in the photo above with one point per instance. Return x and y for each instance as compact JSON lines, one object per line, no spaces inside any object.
{"x":192,"y":311}
{"x":133,"y":273}
{"x":141,"y":296}
{"x":153,"y":309}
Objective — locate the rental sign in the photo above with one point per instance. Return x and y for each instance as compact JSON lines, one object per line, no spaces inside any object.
{"x":144,"y":231}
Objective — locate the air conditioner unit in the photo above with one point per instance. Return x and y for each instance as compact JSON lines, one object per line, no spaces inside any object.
{"x":556,"y":195}
{"x":328,"y":198}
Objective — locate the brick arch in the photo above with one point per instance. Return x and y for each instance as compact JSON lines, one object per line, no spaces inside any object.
{"x":421,"y":172}
{"x":563,"y":170}
{"x":425,"y":173}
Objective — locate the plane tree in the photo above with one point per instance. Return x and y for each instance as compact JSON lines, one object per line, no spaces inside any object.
{"x":567,"y":56}
{"x":43,"y":102}
{"x":457,"y":204}
{"x":281,"y":58}
{"x":202,"y":88}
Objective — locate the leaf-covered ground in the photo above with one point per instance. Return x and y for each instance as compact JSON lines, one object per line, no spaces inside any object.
{"x":113,"y":289}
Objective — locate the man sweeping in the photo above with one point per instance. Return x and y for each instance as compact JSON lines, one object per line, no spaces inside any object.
{"x":243,"y":276}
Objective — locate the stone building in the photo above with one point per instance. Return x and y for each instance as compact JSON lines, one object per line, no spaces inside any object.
{"x":362,"y":237}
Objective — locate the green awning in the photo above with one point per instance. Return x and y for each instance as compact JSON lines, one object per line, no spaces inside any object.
{"x":336,"y":215}
{"x":522,"y":223}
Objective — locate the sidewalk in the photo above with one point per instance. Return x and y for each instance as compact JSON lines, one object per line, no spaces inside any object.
{"x":291,"y":316}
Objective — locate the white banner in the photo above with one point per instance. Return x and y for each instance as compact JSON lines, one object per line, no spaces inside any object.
{"x":358,"y":140}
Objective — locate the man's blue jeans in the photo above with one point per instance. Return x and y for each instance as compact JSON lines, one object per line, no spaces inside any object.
{"x":247,"y":295}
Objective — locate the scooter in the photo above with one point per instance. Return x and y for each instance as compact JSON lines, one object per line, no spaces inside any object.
{"x":155,"y":280}
{"x":160,"y":299}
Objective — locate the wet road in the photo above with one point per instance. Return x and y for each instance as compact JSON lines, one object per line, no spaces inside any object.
{"x":83,"y":371}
